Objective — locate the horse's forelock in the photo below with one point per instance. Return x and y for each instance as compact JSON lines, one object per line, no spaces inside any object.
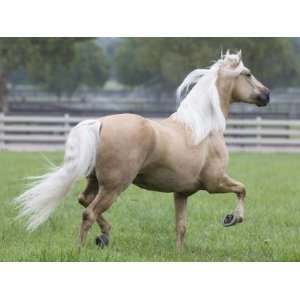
{"x":231,"y":60}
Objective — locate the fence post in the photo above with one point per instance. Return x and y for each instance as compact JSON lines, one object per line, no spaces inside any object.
{"x":258,"y":132}
{"x":67,"y":124}
{"x":2,"y":123}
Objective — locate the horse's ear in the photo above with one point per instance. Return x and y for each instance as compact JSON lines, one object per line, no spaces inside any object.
{"x":234,"y":72}
{"x":227,"y":53}
{"x":240,"y":55}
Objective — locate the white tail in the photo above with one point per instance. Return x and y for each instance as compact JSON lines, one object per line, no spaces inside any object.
{"x":45,"y":193}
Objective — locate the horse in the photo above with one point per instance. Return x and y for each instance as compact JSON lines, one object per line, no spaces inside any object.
{"x":181,"y":154}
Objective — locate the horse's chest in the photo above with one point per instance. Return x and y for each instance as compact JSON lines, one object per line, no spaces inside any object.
{"x":215,"y":163}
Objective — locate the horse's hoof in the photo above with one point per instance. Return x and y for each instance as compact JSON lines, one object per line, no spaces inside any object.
{"x":230,"y":220}
{"x":102,"y":241}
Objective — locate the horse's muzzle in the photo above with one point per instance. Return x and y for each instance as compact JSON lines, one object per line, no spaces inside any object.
{"x":263,"y":99}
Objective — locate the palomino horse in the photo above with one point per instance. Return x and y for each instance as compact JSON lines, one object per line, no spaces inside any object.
{"x":182,"y":154}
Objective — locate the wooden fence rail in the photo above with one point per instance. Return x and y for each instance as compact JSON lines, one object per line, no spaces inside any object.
{"x":23,"y":133}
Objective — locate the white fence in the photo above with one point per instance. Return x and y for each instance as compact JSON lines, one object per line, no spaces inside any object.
{"x":23,"y":133}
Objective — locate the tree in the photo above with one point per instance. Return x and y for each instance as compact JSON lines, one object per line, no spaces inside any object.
{"x":274,"y":60}
{"x":31,"y":54}
{"x":89,"y":67}
{"x":130,"y":70}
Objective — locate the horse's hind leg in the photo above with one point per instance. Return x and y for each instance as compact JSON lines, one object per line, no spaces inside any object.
{"x":85,"y":198}
{"x":90,"y":191}
{"x":103,"y":239}
{"x":99,"y":205}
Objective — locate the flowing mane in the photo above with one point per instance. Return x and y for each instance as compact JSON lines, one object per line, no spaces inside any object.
{"x":200,"y":107}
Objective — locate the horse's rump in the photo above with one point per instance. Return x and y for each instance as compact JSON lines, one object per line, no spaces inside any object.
{"x":127,"y":142}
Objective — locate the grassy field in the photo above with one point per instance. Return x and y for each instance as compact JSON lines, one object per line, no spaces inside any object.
{"x":143,"y":222}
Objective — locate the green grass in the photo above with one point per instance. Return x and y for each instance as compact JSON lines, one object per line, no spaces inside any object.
{"x":143,"y":221}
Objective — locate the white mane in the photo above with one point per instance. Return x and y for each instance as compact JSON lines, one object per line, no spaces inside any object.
{"x":200,"y":109}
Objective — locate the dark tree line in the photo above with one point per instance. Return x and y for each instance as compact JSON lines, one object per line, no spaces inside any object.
{"x":61,"y":65}
{"x":138,"y":60}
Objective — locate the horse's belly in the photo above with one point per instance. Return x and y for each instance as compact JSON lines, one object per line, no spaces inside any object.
{"x":167,"y":181}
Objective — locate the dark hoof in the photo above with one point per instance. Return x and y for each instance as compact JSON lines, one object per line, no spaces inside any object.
{"x":230,"y":220}
{"x":102,"y":241}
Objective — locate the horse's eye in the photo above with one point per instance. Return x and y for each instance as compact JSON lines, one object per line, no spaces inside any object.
{"x":248,"y":74}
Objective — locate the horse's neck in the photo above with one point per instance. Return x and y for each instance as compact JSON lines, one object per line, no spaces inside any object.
{"x":205,"y":108}
{"x":225,"y":91}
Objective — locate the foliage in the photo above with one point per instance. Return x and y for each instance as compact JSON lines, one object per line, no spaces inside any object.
{"x":109,"y":45}
{"x":273,"y":60}
{"x":31,"y":54}
{"x":88,"y":67}
{"x":143,"y":222}
{"x":130,"y":68}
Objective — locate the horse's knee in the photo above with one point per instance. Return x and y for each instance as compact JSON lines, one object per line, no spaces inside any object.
{"x":181,"y":229}
{"x":242,"y":191}
{"x":180,"y":235}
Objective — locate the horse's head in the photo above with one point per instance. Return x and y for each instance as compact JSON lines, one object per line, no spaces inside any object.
{"x":245,"y":87}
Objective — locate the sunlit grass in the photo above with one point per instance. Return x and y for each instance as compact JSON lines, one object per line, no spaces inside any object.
{"x":143,"y":222}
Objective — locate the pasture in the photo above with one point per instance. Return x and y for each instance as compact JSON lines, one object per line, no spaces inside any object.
{"x":143,"y":221}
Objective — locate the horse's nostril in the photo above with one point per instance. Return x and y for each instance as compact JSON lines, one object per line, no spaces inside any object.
{"x":267,"y":94}
{"x":263,"y":99}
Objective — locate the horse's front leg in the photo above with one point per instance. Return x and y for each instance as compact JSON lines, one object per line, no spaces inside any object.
{"x":180,"y":217}
{"x":229,"y":185}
